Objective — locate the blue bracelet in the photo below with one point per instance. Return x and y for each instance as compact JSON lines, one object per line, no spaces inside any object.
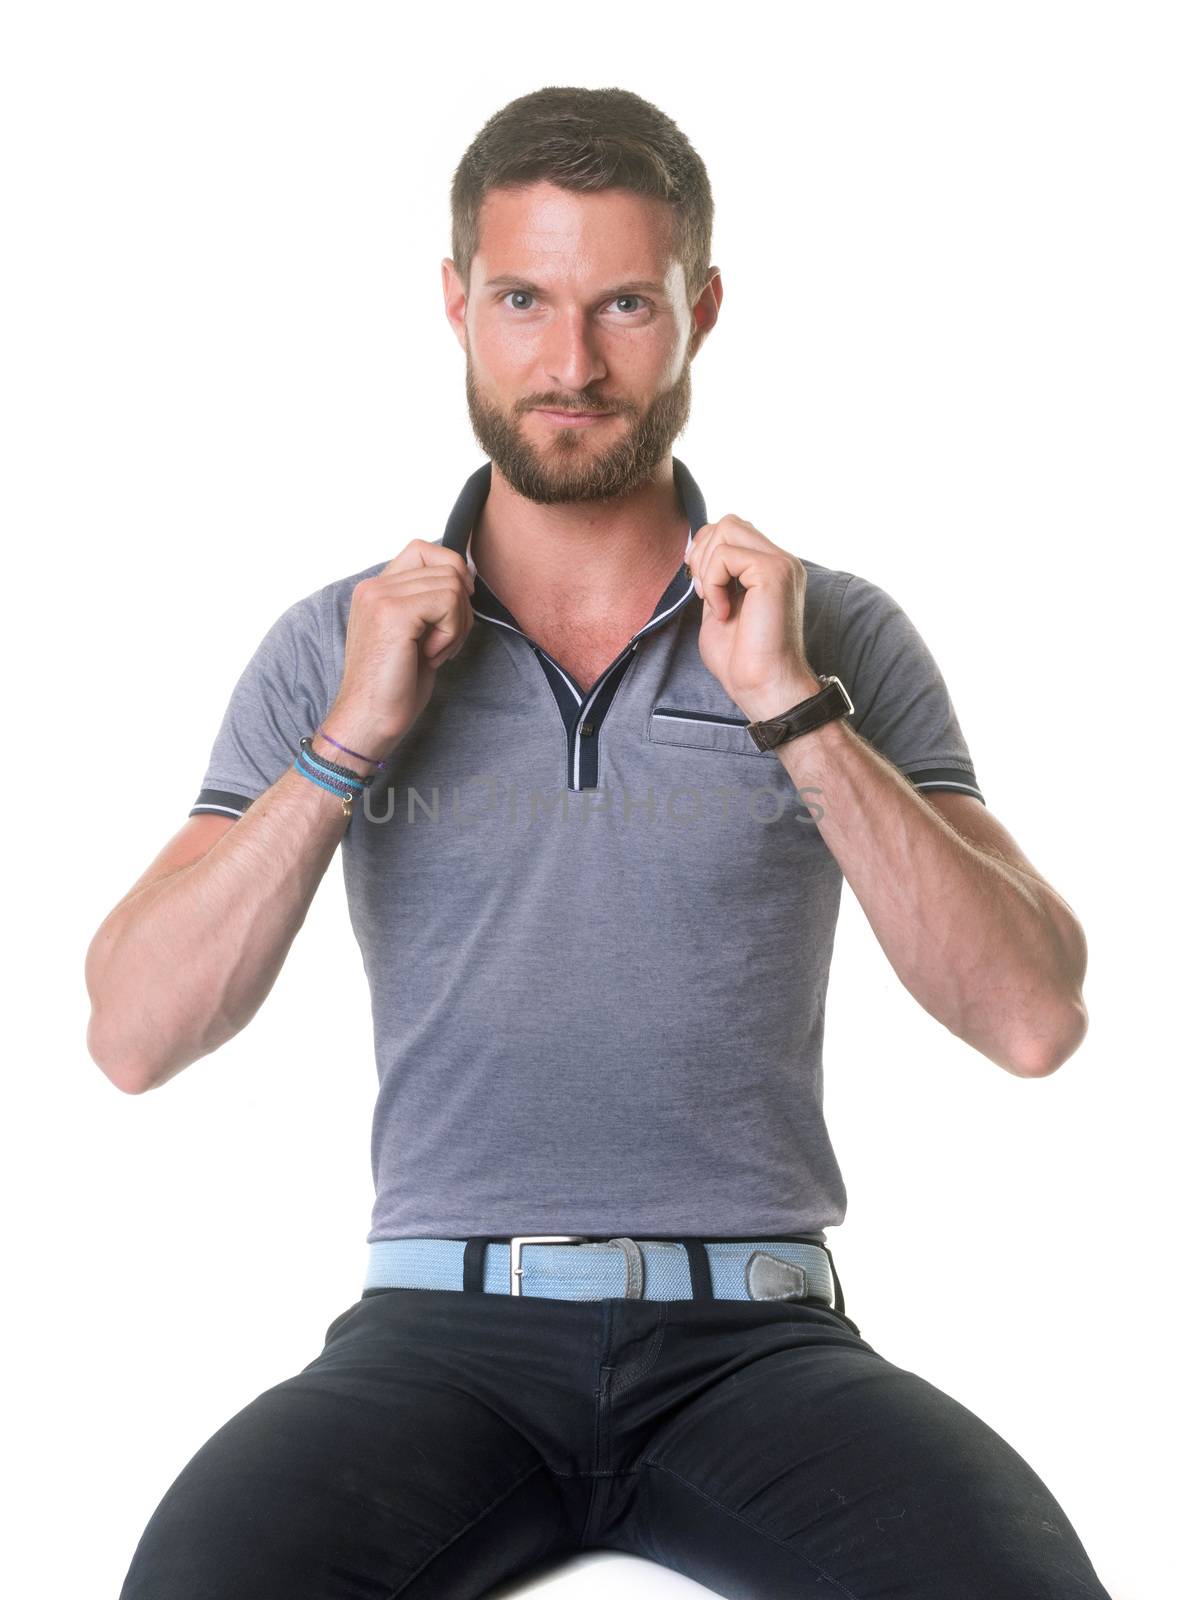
{"x":334,"y":786}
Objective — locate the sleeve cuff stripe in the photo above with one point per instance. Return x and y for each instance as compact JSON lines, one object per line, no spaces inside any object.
{"x":221,"y":801}
{"x":945,"y":778}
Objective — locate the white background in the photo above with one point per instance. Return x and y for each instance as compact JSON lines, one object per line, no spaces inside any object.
{"x":946,"y":359}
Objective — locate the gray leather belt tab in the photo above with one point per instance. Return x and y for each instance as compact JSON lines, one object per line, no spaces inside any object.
{"x":578,"y":1267}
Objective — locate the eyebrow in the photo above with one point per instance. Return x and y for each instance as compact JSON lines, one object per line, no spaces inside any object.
{"x":642,"y":285}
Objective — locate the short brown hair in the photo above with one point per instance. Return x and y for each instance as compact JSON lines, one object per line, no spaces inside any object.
{"x":586,"y":140}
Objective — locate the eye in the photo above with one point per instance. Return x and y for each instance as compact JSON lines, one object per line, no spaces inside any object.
{"x":511,"y":296}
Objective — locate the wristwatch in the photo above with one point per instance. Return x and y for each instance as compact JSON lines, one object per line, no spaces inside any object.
{"x":831,"y":701}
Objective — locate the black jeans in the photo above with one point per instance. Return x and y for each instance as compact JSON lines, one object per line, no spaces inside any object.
{"x":444,"y":1441}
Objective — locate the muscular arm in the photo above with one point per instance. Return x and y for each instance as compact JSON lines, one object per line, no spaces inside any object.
{"x":974,"y":933}
{"x":186,"y":958}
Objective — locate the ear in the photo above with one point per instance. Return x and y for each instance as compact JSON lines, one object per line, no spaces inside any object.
{"x":705,"y":311}
{"x":454,"y":297}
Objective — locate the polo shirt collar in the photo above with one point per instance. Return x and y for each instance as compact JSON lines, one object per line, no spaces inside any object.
{"x":460,"y":526}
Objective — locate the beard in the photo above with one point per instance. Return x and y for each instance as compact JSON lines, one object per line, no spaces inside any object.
{"x":569,"y":467}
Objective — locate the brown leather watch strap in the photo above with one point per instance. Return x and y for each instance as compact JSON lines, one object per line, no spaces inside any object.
{"x":830,"y":702}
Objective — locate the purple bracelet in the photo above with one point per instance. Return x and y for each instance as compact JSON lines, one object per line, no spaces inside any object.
{"x":347,"y":752}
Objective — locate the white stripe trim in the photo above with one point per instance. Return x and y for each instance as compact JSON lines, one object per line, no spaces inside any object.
{"x":577,"y":730}
{"x":630,"y":650}
{"x":498,"y":622}
{"x":709,"y":722}
{"x":946,"y":783}
{"x":564,"y":675}
{"x":228,"y":811}
{"x":584,"y":705}
{"x":674,"y":607}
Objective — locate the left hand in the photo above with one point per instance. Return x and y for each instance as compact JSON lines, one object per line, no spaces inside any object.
{"x":751,"y":640}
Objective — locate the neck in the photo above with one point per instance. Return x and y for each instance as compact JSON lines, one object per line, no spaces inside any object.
{"x":583,"y":559}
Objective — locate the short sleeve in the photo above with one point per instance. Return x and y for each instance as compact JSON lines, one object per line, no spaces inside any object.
{"x":902,"y":705}
{"x":281,"y":695}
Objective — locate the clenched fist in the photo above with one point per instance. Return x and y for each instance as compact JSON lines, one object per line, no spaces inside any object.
{"x":403,"y":624}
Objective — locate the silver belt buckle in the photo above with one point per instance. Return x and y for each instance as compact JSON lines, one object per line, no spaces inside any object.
{"x":519,"y":1240}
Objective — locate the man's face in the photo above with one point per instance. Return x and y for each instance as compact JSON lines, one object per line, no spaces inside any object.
{"x":576,"y":305}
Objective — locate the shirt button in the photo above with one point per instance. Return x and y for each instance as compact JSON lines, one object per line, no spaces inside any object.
{"x":587,"y":727}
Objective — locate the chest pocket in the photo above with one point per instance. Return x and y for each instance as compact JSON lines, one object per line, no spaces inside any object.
{"x":705,"y":730}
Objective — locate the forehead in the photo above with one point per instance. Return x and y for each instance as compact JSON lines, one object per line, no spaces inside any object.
{"x":543,"y":230}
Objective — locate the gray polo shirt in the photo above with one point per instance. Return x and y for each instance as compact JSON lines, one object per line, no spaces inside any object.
{"x":596,"y":923}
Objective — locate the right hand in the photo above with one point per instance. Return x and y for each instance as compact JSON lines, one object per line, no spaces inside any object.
{"x":402,"y":625}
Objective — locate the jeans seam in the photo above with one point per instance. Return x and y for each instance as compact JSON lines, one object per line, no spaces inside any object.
{"x":633,"y":1374}
{"x":786,"y":1544}
{"x":601,"y":1444}
{"x":466,"y":1527}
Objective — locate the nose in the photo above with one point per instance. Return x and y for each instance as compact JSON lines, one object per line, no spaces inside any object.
{"x":571,"y":358}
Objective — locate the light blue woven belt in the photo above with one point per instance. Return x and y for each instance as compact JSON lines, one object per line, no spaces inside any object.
{"x":647,"y":1269}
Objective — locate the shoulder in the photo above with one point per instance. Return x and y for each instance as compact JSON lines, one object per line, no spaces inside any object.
{"x":860,"y":607}
{"x":325,"y":608}
{"x":824,"y":585}
{"x":862,"y":626}
{"x":822,"y":602}
{"x":337,"y":595}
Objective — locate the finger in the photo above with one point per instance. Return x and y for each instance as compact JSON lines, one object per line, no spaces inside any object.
{"x":729,"y":529}
{"x":724,"y":562}
{"x":430,"y":590}
{"x":420,"y":553}
{"x":446,"y":634}
{"x":431,"y":599}
{"x":445,"y":648}
{"x":422,"y":580}
{"x":698,"y":550}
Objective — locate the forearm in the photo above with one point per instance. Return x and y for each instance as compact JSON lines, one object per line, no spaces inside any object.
{"x":184,"y":964}
{"x":980,"y":945}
